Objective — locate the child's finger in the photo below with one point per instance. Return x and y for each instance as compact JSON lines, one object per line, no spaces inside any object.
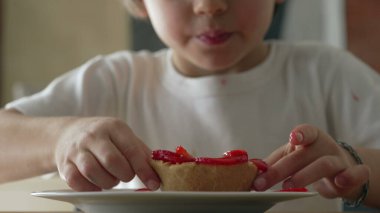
{"x":304,"y":135}
{"x":326,"y":166}
{"x":283,"y":168}
{"x":143,"y":170}
{"x":294,"y":162}
{"x":90,"y":168}
{"x":310,"y":137}
{"x":277,"y":154}
{"x":350,"y":182}
{"x":133,"y":150}
{"x":75,"y":179}
{"x":112,"y":160}
{"x":306,"y":145}
{"x":326,"y":188}
{"x":353,"y":177}
{"x":347,"y":184}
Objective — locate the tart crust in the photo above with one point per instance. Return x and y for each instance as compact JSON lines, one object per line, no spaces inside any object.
{"x":191,"y":176}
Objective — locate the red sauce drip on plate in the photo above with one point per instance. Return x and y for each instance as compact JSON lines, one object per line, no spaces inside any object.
{"x":143,"y":190}
{"x":229,"y":158}
{"x":294,"y":190}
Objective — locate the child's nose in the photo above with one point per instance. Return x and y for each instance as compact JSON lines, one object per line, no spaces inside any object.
{"x":209,"y":7}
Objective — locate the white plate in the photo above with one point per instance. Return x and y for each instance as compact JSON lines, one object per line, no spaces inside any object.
{"x":122,"y":201}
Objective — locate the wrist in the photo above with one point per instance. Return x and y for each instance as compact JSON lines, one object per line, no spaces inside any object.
{"x":57,"y":131}
{"x":359,"y":199}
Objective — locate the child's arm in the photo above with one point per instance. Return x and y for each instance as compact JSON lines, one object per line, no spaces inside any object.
{"x":313,"y":157}
{"x":90,"y":153}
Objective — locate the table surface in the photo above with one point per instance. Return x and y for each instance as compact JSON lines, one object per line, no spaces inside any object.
{"x":77,"y":212}
{"x":73,"y":212}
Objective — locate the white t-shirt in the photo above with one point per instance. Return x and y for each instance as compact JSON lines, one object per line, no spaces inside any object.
{"x":253,"y":110}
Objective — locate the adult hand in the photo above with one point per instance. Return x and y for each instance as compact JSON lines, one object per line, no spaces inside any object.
{"x":313,"y":157}
{"x":97,"y":153}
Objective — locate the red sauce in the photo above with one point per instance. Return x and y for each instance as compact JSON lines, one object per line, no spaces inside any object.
{"x":229,"y":158}
{"x":260,"y":164}
{"x":143,"y":190}
{"x":294,"y":190}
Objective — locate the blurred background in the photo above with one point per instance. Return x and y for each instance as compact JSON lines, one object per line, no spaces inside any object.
{"x":41,"y":39}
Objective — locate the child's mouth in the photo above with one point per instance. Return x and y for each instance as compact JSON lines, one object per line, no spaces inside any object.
{"x":214,"y":37}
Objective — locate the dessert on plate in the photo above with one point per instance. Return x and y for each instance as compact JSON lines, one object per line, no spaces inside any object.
{"x":180,"y":171}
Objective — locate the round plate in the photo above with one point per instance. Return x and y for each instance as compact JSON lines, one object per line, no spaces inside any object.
{"x":121,"y":201}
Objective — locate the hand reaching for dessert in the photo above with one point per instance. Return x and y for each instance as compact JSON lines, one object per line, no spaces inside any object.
{"x":313,"y":157}
{"x":98,"y":153}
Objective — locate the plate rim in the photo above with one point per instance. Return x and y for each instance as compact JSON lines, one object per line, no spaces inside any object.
{"x":147,"y":201}
{"x":132,"y":192}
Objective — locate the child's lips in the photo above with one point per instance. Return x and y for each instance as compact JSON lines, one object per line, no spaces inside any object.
{"x":214,"y":37}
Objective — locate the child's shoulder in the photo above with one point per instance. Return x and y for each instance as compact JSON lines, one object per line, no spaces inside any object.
{"x":306,"y":48}
{"x":308,"y":53}
{"x":125,"y":61}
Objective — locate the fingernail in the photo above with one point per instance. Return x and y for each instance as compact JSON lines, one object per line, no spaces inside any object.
{"x":296,"y":137}
{"x":152,"y":185}
{"x":342,"y":182}
{"x":260,"y":183}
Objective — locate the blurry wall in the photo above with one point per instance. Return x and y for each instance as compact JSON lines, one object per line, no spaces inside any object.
{"x":348,"y":24}
{"x":363,"y":30}
{"x":44,"y":38}
{"x":316,"y":20}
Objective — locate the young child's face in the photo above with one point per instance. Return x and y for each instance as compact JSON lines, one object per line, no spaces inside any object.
{"x":212,"y":36}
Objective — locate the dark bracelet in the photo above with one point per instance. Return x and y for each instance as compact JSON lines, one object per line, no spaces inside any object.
{"x":365,"y":187}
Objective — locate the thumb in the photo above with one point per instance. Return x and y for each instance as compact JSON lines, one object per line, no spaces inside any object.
{"x":352,"y":177}
{"x":305,"y":135}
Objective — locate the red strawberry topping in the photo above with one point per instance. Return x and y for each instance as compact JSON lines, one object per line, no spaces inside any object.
{"x":260,"y":164}
{"x":229,"y":158}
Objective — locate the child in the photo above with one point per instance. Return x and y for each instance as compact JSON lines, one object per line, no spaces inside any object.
{"x":218,"y":87}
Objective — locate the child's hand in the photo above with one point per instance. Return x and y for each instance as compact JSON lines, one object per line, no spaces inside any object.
{"x":97,"y":153}
{"x":313,"y":157}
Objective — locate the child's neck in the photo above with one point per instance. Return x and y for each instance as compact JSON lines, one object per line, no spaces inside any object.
{"x":257,"y":56}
